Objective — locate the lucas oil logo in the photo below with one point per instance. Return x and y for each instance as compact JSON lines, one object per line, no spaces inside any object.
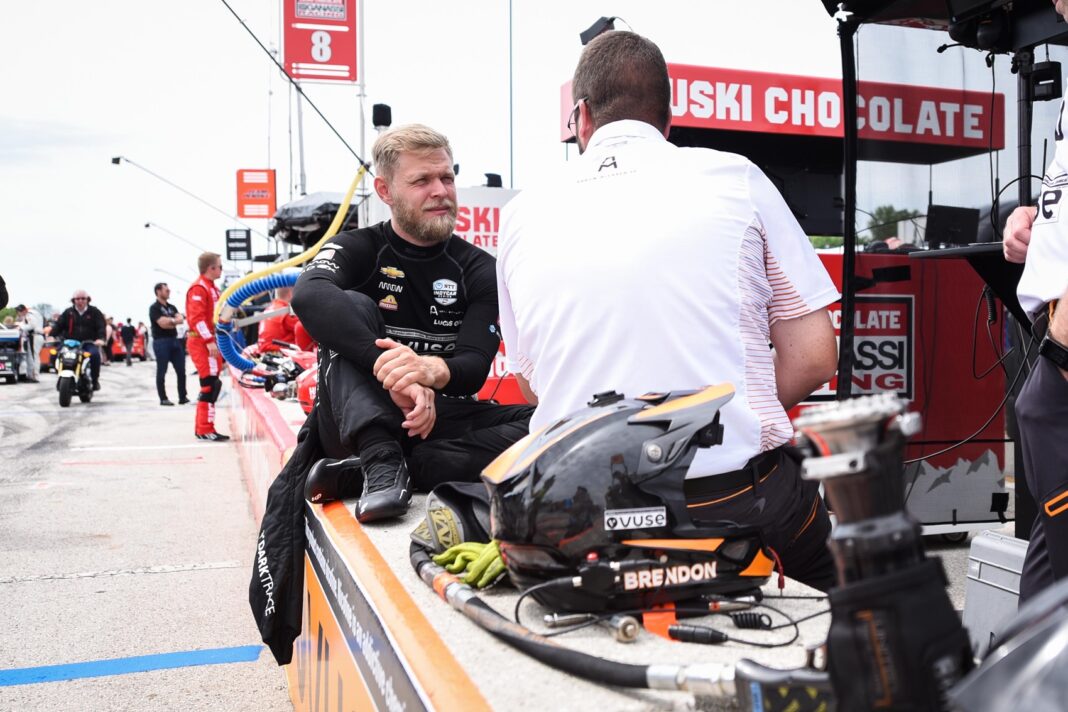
{"x":389,"y":303}
{"x":647,"y":518}
{"x":669,"y":576}
{"x":445,"y":292}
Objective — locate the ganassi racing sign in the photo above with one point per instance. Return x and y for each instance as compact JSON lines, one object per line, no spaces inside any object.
{"x":883,"y":347}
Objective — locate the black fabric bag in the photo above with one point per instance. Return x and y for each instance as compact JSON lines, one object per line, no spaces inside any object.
{"x":276,"y":590}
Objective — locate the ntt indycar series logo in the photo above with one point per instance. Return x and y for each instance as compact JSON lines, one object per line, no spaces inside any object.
{"x":445,"y":292}
{"x":669,"y":576}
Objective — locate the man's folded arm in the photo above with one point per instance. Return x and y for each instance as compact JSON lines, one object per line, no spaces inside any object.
{"x":325,"y":310}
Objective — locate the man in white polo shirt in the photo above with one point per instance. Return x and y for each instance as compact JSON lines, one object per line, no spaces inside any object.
{"x":646,"y":267}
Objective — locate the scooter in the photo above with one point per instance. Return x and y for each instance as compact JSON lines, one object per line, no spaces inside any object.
{"x":72,"y":365}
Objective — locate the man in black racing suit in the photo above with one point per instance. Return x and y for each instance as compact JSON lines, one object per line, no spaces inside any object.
{"x":405,"y":314}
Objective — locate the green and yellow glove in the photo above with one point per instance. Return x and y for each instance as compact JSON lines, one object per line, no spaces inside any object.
{"x":482,"y":562}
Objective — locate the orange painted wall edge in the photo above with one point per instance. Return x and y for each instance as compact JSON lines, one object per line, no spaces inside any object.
{"x":441,"y":676}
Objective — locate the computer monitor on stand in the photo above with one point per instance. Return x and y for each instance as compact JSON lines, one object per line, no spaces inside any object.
{"x":951,"y":227}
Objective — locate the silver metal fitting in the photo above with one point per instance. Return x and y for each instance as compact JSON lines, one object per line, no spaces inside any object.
{"x":708,"y":679}
{"x":625,"y":628}
{"x":846,"y":463}
{"x":856,"y":425}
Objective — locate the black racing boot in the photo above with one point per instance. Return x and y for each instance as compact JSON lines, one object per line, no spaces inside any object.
{"x":386,"y":492}
{"x":331,"y":480}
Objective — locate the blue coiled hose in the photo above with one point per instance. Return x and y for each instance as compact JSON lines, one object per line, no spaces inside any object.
{"x":263,"y":284}
{"x":224,"y":331}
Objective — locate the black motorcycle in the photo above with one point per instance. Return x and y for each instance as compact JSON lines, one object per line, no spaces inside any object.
{"x":72,"y":365}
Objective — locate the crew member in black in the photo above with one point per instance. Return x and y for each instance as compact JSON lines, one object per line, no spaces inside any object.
{"x":83,"y":322}
{"x":166,"y":345}
{"x":128,"y":333}
{"x":405,"y":314}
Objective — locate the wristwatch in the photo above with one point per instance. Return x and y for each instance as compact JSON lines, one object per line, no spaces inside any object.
{"x":1055,"y":352}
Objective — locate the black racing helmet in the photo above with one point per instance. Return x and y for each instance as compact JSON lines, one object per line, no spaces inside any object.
{"x":597,"y":498}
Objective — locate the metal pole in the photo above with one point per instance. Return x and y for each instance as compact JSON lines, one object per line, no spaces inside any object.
{"x":1025,"y":64}
{"x":289,"y":108}
{"x":300,"y":144}
{"x":511,"y":120}
{"x":1023,"y":61}
{"x":290,"y":181}
{"x":847,"y":28}
{"x":363,"y":216}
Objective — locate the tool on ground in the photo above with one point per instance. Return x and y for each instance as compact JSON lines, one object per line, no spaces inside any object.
{"x":752,"y":685}
{"x":624,"y":628}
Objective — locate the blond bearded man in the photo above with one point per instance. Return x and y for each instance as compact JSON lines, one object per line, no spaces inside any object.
{"x":405,"y":314}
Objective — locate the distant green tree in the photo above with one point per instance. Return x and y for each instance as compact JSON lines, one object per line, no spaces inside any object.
{"x":821,"y":242}
{"x":884,"y":220}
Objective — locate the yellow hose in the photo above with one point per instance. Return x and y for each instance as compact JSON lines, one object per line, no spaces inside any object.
{"x":292,"y":261}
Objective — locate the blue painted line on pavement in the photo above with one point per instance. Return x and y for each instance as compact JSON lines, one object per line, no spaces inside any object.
{"x":124,"y":666}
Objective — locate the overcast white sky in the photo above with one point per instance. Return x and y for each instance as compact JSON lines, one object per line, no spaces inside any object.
{"x":181,"y":89}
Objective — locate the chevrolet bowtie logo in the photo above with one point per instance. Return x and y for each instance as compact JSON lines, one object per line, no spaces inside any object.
{"x":392,"y":272}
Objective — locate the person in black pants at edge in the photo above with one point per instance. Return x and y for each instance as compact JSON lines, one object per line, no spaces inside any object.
{"x":405,"y":314}
{"x":128,"y":332}
{"x":166,"y":346}
{"x":1035,"y":237}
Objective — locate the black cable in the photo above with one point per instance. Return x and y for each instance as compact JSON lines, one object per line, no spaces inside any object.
{"x":563,"y":580}
{"x":983,"y":293}
{"x":298,"y":87}
{"x":973,"y":436}
{"x":997,"y":199}
{"x":192,"y":195}
{"x":802,"y":619}
{"x":499,"y":382}
{"x":994,"y":348}
{"x":750,"y":620}
{"x":790,"y":621}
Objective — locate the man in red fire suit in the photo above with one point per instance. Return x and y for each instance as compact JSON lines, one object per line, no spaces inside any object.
{"x":286,"y":327}
{"x":200,"y":301}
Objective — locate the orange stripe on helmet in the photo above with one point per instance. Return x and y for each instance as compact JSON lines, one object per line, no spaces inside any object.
{"x":677,"y":544}
{"x":705,"y":395}
{"x":761,"y":565}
